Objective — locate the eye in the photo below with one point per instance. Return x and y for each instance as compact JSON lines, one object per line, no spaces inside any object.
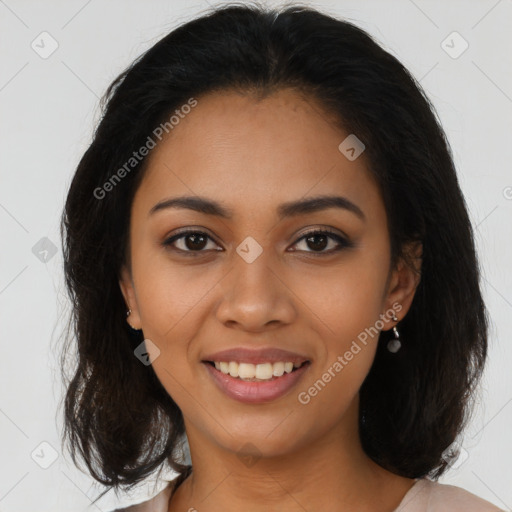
{"x":190,"y":241}
{"x":319,"y":239}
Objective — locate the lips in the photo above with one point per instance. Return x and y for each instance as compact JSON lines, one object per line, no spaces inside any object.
{"x":255,"y":356}
{"x":256,"y":392}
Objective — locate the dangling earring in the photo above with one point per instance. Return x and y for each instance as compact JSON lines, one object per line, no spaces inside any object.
{"x":128,"y":313}
{"x":394,"y":344}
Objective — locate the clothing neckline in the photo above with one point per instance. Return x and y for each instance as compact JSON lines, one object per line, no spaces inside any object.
{"x":415,"y":488}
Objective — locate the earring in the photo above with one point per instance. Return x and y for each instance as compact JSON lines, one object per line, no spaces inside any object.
{"x":394,"y":344}
{"x":128,"y":313}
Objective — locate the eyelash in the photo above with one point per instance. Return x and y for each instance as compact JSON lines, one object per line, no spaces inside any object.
{"x":342,"y":242}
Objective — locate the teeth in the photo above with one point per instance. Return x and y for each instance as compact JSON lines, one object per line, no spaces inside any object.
{"x":278,"y":369}
{"x":233,"y":369}
{"x":248,"y":371}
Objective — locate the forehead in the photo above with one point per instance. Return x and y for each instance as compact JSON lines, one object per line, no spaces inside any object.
{"x":250,"y":153}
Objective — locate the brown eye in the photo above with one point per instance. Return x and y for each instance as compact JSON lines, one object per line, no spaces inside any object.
{"x":318,"y":240}
{"x":195,"y":241}
{"x":189,"y":241}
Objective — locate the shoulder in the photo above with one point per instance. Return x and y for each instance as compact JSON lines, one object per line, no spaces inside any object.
{"x":428,"y":496}
{"x":158,"y":503}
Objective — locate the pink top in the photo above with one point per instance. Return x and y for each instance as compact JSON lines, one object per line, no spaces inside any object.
{"x":424,"y":496}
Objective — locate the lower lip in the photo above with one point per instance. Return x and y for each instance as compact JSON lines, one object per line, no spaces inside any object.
{"x":256,"y":392}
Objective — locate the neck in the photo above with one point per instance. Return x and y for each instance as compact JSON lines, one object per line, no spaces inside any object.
{"x":331,"y":473}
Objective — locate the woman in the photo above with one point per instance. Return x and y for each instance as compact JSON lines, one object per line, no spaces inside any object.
{"x":269,"y":253}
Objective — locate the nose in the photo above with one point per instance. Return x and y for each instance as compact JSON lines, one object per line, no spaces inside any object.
{"x":257,"y":295}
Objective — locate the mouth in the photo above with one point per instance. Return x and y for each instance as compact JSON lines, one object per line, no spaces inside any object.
{"x":263,"y":372}
{"x":246,"y":386}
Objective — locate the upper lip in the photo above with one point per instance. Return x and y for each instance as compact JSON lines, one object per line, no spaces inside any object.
{"x":255,"y":356}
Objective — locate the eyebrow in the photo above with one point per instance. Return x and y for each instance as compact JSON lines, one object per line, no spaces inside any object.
{"x":289,"y":209}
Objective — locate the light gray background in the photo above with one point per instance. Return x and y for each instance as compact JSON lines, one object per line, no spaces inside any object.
{"x":48,"y":108}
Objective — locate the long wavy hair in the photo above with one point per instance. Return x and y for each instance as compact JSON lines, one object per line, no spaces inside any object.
{"x":413,"y":404}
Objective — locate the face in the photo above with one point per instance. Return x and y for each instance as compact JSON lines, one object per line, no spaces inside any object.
{"x":258,"y":279}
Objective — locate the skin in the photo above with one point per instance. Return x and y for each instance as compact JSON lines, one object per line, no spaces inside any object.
{"x":252,"y":155}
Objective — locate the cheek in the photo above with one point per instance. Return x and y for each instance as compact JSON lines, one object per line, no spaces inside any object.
{"x":345,"y":299}
{"x":170,"y":294}
{"x":169,"y":302}
{"x":173,"y":302}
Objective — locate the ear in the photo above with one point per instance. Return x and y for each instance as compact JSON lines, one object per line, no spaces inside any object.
{"x":403,"y":283}
{"x":128,"y":291}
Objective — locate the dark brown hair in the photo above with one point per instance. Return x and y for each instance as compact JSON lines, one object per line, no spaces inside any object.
{"x":414,"y":403}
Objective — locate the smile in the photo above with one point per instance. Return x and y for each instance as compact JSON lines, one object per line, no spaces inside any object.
{"x":255,"y":383}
